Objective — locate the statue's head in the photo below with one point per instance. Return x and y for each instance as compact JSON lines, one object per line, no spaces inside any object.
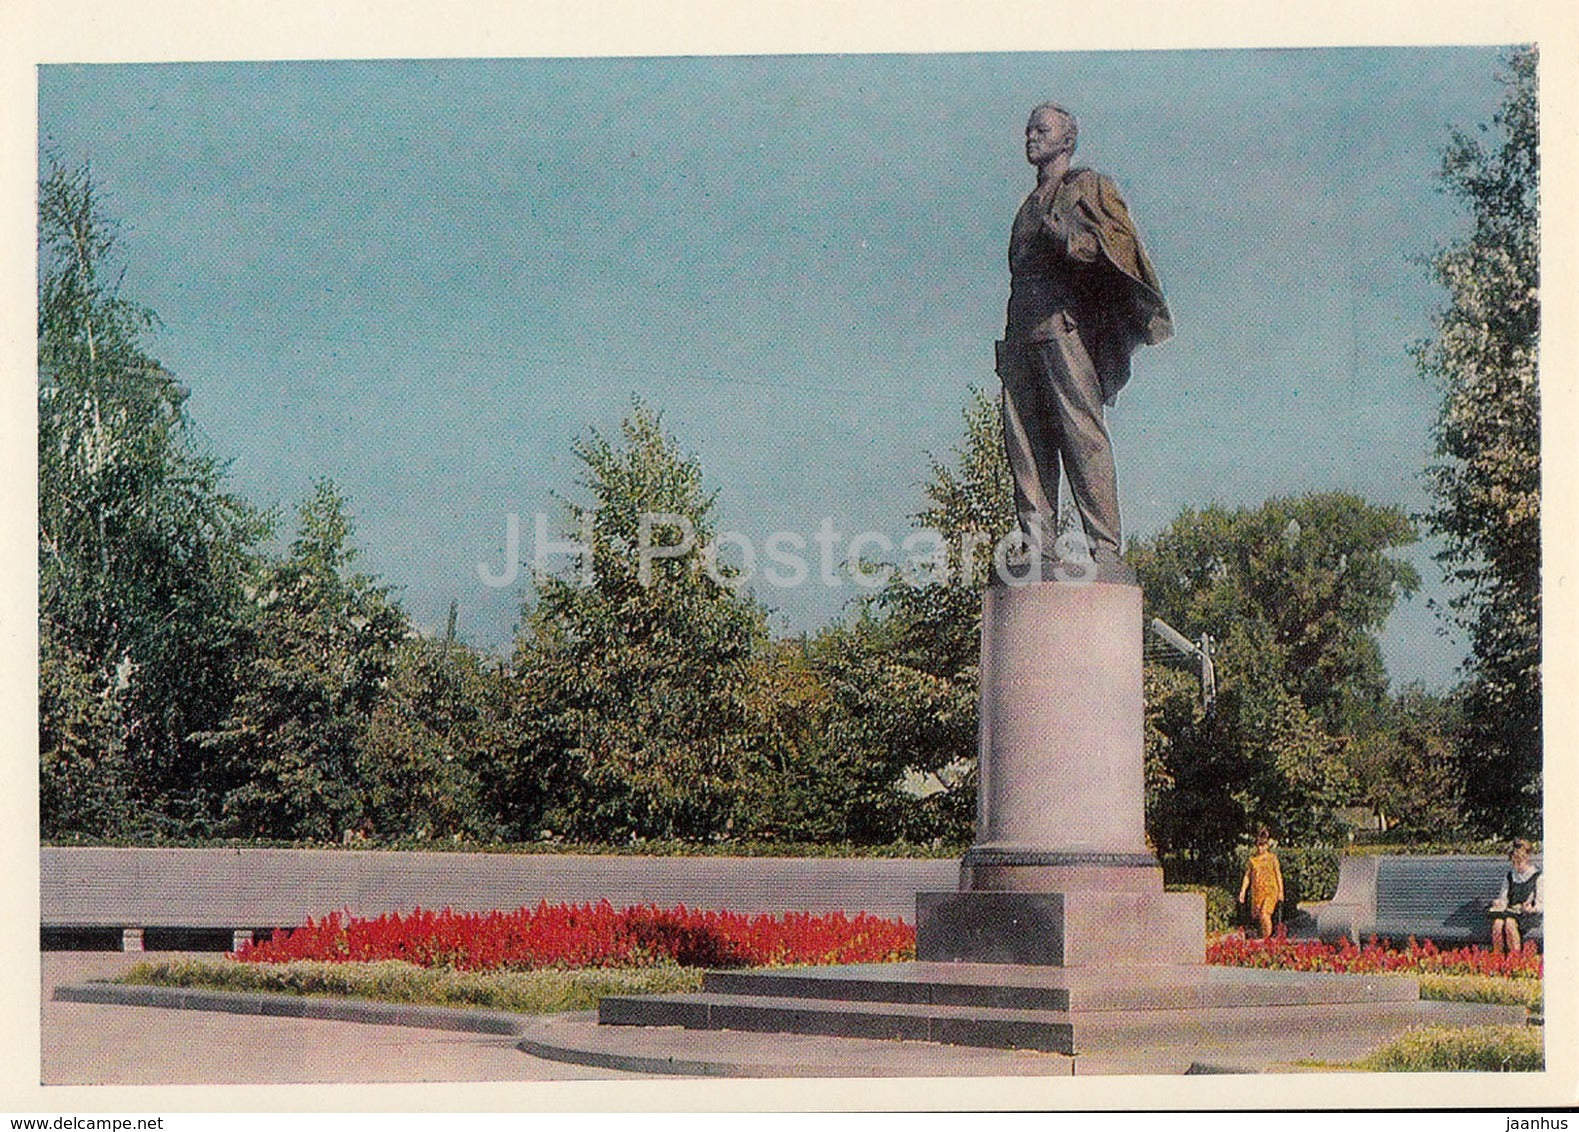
{"x":1050,"y":131}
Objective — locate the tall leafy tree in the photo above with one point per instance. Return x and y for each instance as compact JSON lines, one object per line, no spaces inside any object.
{"x":1487,"y":482}
{"x":142,"y":552}
{"x":1405,"y":766}
{"x":440,"y":743}
{"x":1294,"y":592}
{"x":321,"y":645}
{"x":637,"y":691}
{"x":1307,"y":582}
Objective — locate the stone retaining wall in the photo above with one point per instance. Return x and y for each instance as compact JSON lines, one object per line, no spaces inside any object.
{"x":269,"y":888}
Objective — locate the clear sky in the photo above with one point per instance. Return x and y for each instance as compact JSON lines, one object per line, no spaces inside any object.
{"x":425,"y":279}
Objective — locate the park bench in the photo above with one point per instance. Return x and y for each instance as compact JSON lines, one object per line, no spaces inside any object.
{"x":1442,"y":899}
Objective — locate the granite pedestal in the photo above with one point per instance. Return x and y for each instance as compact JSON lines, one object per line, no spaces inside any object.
{"x":1060,"y":872}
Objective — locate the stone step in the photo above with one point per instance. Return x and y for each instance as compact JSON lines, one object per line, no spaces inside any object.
{"x":1012,"y":987}
{"x":1306,"y":1028}
{"x":1046,"y":1030}
{"x":921,"y":988}
{"x":669,"y":1050}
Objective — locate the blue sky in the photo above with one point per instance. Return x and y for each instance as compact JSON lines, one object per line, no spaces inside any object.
{"x":425,"y":279}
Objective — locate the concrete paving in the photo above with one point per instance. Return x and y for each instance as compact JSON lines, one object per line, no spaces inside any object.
{"x":94,"y":1044}
{"x":117,"y":1044}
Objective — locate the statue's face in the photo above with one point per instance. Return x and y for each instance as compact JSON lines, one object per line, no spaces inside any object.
{"x":1046,"y":136}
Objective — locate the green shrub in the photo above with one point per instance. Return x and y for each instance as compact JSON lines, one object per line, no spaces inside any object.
{"x":1381,"y":847}
{"x":1446,"y":1049}
{"x":640,"y":848}
{"x":518,"y":992}
{"x":1308,"y":874}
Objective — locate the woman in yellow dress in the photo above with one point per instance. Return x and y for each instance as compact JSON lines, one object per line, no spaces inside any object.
{"x":1263,"y":882}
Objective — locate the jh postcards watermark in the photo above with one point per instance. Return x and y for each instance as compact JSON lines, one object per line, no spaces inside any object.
{"x":787,"y":559}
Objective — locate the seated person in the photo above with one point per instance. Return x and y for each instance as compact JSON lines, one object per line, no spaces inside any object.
{"x":1518,"y":905}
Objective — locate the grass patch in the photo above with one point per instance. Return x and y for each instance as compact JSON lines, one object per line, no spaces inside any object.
{"x":1483,"y":988}
{"x":1446,"y":1049}
{"x":549,"y":991}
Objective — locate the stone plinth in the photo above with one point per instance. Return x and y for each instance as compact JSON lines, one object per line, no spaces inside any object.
{"x":1079,"y":927}
{"x":1109,"y":1018}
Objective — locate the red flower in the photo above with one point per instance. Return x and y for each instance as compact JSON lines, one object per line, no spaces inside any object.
{"x":1233,"y":950}
{"x":560,"y":935}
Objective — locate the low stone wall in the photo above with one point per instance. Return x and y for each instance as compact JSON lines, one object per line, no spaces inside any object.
{"x":250,"y":889}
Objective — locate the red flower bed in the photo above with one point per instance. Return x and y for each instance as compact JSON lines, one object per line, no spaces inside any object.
{"x":592,"y":935}
{"x":1282,"y":953}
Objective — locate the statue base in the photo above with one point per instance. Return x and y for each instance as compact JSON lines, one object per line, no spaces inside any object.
{"x":1060,"y":874}
{"x":1085,"y":927}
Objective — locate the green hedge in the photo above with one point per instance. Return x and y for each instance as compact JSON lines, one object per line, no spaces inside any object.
{"x":1431,"y":848}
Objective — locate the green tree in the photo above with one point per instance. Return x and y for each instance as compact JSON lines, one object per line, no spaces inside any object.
{"x":439,"y":759}
{"x":636,"y":691}
{"x":902,"y":677}
{"x":1405,"y":765}
{"x":1293,"y":592}
{"x":1487,"y":483}
{"x":1307,"y":581}
{"x":86,"y":785}
{"x":142,"y":553}
{"x":321,"y":645}
{"x":970,"y":504}
{"x":900,"y":737}
{"x":1259,"y":757}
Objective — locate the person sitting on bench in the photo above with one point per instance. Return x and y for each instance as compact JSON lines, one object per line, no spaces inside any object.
{"x":1518,"y":905}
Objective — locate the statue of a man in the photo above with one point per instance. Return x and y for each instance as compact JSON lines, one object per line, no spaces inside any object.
{"x":1082,"y":297}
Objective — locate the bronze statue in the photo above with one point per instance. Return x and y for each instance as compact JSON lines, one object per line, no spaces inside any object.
{"x":1082,"y":297}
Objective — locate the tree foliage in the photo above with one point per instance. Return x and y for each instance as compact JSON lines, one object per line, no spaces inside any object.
{"x":1293,"y":592}
{"x":142,"y":552}
{"x":902,"y":678}
{"x":1307,"y":582}
{"x":1405,"y":765}
{"x":442,"y":750}
{"x":190,"y":684}
{"x":321,"y":643}
{"x":1487,"y":483}
{"x":638,"y":693}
